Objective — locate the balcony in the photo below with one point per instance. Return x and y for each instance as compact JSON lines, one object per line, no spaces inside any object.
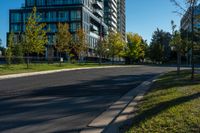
{"x":98,"y":4}
{"x":93,"y":28}
{"x":98,"y":13}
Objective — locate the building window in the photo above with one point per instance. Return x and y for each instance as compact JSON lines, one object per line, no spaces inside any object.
{"x":51,"y":39}
{"x":63,"y":16}
{"x":40,"y":2}
{"x":74,"y":27}
{"x":15,"y":17}
{"x":75,"y":15}
{"x":52,"y":28}
{"x":30,"y":2}
{"x":51,"y":16}
{"x":26,"y":16}
{"x":64,"y":2}
{"x":15,"y":28}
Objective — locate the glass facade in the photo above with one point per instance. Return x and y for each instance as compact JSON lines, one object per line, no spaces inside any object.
{"x":64,"y":2}
{"x":63,"y":16}
{"x":15,"y":28}
{"x":41,"y":3}
{"x":77,"y":13}
{"x":15,"y":17}
{"x":31,"y":3}
{"x":75,"y":26}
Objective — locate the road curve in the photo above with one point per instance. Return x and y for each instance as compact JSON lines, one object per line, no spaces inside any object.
{"x":65,"y":101}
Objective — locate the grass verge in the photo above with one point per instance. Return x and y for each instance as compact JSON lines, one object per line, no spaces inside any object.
{"x":21,"y":68}
{"x":172,"y":106}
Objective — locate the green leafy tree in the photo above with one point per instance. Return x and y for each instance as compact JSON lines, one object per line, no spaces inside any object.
{"x":116,"y":45}
{"x":18,"y":53}
{"x":193,"y":19}
{"x":178,"y":44}
{"x":160,"y":49}
{"x":102,"y":49}
{"x":35,"y":36}
{"x":63,"y":39}
{"x":9,"y":50}
{"x":80,"y":45}
{"x":144,"y":53}
{"x":133,"y":50}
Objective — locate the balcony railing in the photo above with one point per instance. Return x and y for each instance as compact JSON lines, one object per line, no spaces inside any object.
{"x":98,"y":5}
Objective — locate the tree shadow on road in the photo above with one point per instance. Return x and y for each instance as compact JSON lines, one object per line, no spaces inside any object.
{"x":73,"y":106}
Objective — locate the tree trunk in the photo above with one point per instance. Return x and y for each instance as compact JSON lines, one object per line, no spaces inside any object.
{"x":178,"y":62}
{"x":27,"y":61}
{"x":100,"y":59}
{"x":60,"y":64}
{"x":113,"y":60}
{"x":38,"y":58}
{"x":69,"y":58}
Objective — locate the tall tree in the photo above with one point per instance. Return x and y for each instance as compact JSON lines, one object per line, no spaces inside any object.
{"x":177,"y":43}
{"x":116,"y":45}
{"x":63,"y":39}
{"x":133,"y":48}
{"x":35,"y":36}
{"x":160,"y":46}
{"x":144,"y":50}
{"x":190,"y":11}
{"x":18,"y":53}
{"x":9,"y":50}
{"x":102,"y":49}
{"x":80,"y":46}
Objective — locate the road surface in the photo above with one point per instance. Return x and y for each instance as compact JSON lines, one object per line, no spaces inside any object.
{"x":65,"y":101}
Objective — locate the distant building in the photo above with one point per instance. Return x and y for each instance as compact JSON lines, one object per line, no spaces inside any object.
{"x":121,"y":18}
{"x":91,"y":15}
{"x":186,"y":19}
{"x":186,"y":26}
{"x":114,"y":16}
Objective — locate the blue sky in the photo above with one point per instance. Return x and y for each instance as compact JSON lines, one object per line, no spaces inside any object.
{"x":143,"y":16}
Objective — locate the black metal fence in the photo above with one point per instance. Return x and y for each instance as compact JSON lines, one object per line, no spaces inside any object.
{"x":35,"y":60}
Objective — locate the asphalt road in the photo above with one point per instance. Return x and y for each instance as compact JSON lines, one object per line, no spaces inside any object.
{"x":65,"y":101}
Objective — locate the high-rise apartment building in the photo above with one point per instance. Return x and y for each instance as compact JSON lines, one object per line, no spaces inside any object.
{"x":121,"y":18}
{"x":115,"y":17}
{"x":110,"y":14}
{"x":94,"y":16}
{"x":186,"y":27}
{"x":186,"y":19}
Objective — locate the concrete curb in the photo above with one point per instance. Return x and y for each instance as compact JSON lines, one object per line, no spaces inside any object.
{"x":112,"y":119}
{"x":54,"y":71}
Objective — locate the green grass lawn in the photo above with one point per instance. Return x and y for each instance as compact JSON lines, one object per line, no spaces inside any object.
{"x":172,"y":106}
{"x":22,"y":68}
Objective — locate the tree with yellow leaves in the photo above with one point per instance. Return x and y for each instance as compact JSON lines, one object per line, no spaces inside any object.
{"x":134,"y":47}
{"x":116,"y":45}
{"x":80,"y":46}
{"x":63,"y":39}
{"x":35,"y":37}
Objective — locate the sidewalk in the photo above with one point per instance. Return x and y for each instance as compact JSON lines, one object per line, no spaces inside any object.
{"x":118,"y":115}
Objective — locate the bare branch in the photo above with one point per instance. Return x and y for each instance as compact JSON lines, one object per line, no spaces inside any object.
{"x":179,"y":13}
{"x":178,"y":5}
